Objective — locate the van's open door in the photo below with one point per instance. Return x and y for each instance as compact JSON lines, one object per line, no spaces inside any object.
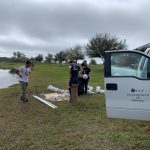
{"x":127,"y":85}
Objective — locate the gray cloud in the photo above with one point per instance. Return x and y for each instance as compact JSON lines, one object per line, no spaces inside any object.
{"x":42,"y":26}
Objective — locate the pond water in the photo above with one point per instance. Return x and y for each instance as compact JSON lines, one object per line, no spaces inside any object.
{"x":7,"y":79}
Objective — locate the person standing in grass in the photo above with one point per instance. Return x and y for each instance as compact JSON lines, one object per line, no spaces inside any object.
{"x":81,"y":86}
{"x":73,"y":72}
{"x":23,"y":72}
{"x":86,"y":76}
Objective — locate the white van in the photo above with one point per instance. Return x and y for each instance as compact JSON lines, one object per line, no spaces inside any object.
{"x":127,"y":84}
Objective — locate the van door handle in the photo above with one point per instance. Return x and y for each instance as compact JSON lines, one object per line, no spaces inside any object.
{"x":111,"y":86}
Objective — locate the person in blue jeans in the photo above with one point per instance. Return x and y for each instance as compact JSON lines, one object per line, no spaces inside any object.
{"x":73,"y":72}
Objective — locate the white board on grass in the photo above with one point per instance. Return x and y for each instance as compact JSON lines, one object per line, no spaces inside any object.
{"x":45,"y":102}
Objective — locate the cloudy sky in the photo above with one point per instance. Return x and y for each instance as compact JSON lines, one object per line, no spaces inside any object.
{"x":47,"y":26}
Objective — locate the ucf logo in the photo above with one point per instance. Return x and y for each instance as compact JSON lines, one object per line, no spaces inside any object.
{"x":137,"y":90}
{"x":132,"y":90}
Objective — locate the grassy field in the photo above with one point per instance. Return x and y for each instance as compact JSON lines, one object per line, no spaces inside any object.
{"x":85,"y":126}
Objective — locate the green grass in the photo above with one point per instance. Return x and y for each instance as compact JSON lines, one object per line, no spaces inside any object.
{"x":33,"y":125}
{"x":9,"y":65}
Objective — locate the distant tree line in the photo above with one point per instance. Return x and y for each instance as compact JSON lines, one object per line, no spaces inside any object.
{"x":96,"y":47}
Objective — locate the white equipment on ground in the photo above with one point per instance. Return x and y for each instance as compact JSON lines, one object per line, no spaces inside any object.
{"x":59,"y":94}
{"x":99,"y":90}
{"x":45,"y":102}
{"x":57,"y":90}
{"x":90,"y":90}
{"x":127,"y":83}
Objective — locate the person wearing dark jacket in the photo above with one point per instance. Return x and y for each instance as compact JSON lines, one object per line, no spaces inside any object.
{"x":73,"y":72}
{"x":86,"y":76}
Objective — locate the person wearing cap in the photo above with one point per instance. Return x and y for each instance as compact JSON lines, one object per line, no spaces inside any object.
{"x":23,"y":72}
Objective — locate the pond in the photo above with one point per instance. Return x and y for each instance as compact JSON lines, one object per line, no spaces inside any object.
{"x":7,"y":79}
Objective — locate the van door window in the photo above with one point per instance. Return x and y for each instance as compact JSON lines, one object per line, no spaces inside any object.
{"x":130,"y":64}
